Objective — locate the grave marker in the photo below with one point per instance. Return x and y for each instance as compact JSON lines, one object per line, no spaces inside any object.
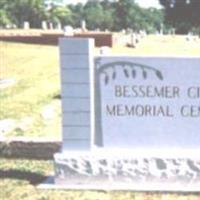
{"x":44,"y":25}
{"x":83,"y":26}
{"x":26,"y":25}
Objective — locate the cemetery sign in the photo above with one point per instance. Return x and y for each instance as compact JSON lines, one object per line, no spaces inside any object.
{"x":147,"y":102}
{"x":129,"y":123}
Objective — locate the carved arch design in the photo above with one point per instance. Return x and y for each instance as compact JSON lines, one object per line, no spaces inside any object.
{"x":130,"y":70}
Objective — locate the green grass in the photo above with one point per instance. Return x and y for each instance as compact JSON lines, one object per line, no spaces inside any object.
{"x":161,"y":46}
{"x":19,"y":178}
{"x":36,"y":71}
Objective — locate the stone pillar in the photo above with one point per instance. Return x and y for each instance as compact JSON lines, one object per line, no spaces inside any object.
{"x":76,"y":59}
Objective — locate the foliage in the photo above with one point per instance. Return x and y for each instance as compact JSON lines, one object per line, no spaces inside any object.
{"x":26,"y":10}
{"x":94,"y":15}
{"x":77,"y":11}
{"x":183,"y":15}
{"x":59,"y":14}
{"x":5,"y":18}
{"x":112,"y":15}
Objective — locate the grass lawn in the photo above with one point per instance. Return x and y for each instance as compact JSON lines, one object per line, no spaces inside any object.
{"x":35,"y":68}
{"x":19,"y":178}
{"x":162,"y":46}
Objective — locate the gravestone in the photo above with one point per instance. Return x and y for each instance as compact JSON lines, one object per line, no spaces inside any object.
{"x":50,"y":25}
{"x":68,"y":30}
{"x":44,"y":25}
{"x":26,"y":25}
{"x":59,"y":26}
{"x":83,"y":26}
{"x":129,"y":123}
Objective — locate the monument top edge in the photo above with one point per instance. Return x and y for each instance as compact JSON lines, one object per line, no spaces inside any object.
{"x":148,"y":56}
{"x":138,"y":153}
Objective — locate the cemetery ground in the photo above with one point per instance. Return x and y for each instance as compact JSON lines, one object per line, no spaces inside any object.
{"x":30,"y":107}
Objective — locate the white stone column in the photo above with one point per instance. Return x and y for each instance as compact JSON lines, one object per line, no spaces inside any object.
{"x":76,"y":57}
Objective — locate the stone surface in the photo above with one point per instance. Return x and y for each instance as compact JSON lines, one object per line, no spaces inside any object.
{"x":76,"y":60}
{"x":75,"y":46}
{"x":36,"y":148}
{"x":147,"y":102}
{"x":126,"y":170}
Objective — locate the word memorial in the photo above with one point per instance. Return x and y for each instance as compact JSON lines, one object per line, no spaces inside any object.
{"x":129,"y":123}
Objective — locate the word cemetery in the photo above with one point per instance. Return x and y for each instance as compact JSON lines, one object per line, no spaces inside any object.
{"x":129,"y":123}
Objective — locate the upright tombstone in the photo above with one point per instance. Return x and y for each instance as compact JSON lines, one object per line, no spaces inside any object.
{"x":68,"y":30}
{"x":161,"y":29}
{"x":83,"y":26}
{"x":128,"y":122}
{"x":26,"y":25}
{"x":59,"y":26}
{"x":50,"y":25}
{"x":44,"y":25}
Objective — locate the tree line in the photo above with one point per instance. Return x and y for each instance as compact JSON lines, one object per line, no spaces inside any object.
{"x":111,"y":15}
{"x":115,"y":15}
{"x":183,"y":15}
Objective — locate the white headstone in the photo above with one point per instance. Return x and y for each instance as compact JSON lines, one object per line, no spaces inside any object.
{"x":83,"y":25}
{"x":59,"y":26}
{"x":68,"y":30}
{"x":50,"y":25}
{"x":26,"y":25}
{"x":44,"y":25}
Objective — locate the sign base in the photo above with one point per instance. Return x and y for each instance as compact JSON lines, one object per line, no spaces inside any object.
{"x":103,"y":170}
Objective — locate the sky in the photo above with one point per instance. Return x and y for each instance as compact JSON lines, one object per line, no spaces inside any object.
{"x":148,"y":3}
{"x":142,"y":3}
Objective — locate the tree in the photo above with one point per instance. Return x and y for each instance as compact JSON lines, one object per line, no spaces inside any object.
{"x":123,"y":13}
{"x":60,"y":14}
{"x":104,"y":14}
{"x":5,"y":17}
{"x":77,"y":12}
{"x":154,"y":19}
{"x":26,"y":10}
{"x":183,"y":15}
{"x":128,"y":15}
{"x":108,"y":15}
{"x":93,"y":12}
